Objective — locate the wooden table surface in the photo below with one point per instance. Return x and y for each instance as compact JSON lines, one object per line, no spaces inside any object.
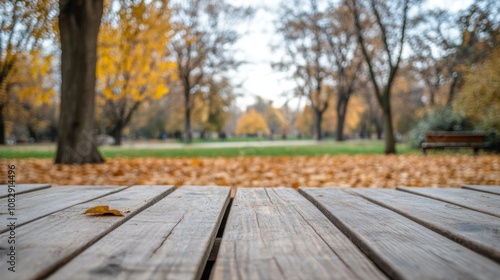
{"x":198,"y":232}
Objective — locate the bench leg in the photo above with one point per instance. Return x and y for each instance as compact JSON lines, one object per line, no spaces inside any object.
{"x":476,"y":151}
{"x":424,"y":151}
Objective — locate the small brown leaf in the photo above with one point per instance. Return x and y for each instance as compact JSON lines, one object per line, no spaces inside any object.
{"x":103,"y":210}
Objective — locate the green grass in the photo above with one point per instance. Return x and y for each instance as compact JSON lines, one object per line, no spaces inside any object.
{"x":328,"y":148}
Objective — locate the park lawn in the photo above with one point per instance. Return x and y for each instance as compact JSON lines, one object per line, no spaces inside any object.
{"x":326,"y":148}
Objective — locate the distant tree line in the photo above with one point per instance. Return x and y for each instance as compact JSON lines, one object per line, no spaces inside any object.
{"x":162,"y":68}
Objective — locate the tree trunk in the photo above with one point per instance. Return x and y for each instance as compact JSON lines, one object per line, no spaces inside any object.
{"x":318,"y":117}
{"x":117,"y":133}
{"x":32,"y":133}
{"x":389,"y":140}
{"x":79,"y":22}
{"x":379,"y":131}
{"x":451,"y":94}
{"x":2,"y":126}
{"x":188,"y":137}
{"x":340,"y":128}
{"x":432,"y":97}
{"x":341,"y":113}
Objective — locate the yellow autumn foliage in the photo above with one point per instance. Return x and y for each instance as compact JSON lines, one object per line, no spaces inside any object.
{"x":251,"y":122}
{"x":31,"y":88}
{"x":480,"y":97}
{"x":305,"y":121}
{"x":132,"y":62}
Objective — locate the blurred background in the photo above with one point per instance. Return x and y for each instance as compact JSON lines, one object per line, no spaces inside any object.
{"x":274,"y":78}
{"x":252,"y":57}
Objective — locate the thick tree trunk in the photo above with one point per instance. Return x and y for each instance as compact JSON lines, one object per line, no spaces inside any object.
{"x":318,"y":117}
{"x":2,"y":126}
{"x":188,"y":137}
{"x":79,"y":22}
{"x":340,"y":129}
{"x":389,"y":139}
{"x":341,"y":113}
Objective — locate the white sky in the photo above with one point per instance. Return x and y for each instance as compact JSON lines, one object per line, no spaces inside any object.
{"x":257,"y":76}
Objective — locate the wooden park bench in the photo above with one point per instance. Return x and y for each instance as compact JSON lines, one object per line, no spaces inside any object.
{"x":451,"y":139}
{"x":261,"y":233}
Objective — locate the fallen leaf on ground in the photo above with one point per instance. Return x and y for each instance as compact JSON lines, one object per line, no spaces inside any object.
{"x":103,"y":210}
{"x":375,"y":171}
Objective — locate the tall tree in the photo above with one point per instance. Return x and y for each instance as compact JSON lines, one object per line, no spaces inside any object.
{"x":205,"y":31}
{"x":479,"y":27}
{"x":79,"y":22}
{"x":480,"y":96}
{"x":302,"y":27}
{"x":390,"y":24}
{"x":217,"y":101}
{"x":133,"y":67}
{"x":31,"y":94}
{"x":428,"y":59}
{"x":23,"y":25}
{"x":343,"y":53}
{"x":252,"y":123}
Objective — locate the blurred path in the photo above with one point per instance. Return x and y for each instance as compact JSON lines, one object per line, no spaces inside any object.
{"x":222,"y":144}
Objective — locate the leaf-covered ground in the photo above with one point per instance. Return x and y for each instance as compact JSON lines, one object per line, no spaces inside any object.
{"x":347,"y":171}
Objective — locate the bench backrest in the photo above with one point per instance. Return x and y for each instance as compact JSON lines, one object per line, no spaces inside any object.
{"x":455,"y":137}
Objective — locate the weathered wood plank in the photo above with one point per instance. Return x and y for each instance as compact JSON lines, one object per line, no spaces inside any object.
{"x":478,"y":201}
{"x":278,"y":234}
{"x":33,"y":205}
{"x":402,"y":248}
{"x":22,"y":188}
{"x":170,"y":240}
{"x":487,"y":189}
{"x":47,"y":243}
{"x":475,"y":230}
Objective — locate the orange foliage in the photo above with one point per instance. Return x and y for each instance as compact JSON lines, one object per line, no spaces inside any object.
{"x":345,"y":171}
{"x":251,"y":123}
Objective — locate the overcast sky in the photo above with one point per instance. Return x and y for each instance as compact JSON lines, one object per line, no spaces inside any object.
{"x":257,"y":76}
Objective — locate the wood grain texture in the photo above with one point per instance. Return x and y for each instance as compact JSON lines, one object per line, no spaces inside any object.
{"x":486,"y":189}
{"x":34,"y":205}
{"x":475,"y":230}
{"x":401,"y":247}
{"x":49,"y":242}
{"x":22,"y":188}
{"x":277,"y":234}
{"x":170,"y":240}
{"x":478,"y":201}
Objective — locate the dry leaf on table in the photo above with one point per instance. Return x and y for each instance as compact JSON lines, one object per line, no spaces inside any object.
{"x":103,"y":210}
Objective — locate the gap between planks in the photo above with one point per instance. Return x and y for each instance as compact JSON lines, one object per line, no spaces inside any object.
{"x":402,"y":248}
{"x":486,"y":189}
{"x":472,"y":229}
{"x":474,"y":200}
{"x":171,"y":239}
{"x":51,"y":241}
